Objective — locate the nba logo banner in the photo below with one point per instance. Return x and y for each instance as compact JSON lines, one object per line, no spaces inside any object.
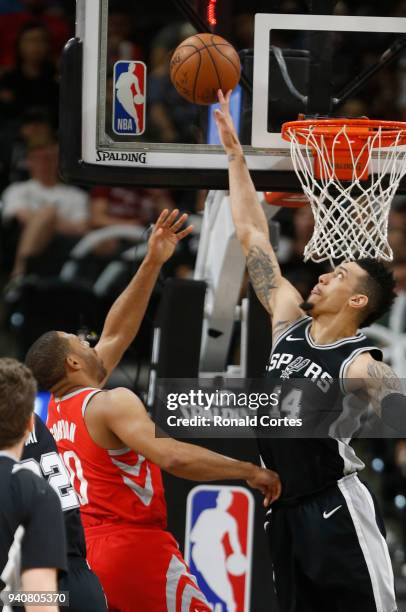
{"x":129,"y":98}
{"x":218,"y":544}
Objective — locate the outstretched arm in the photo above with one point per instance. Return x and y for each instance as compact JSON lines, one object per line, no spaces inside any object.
{"x":125,"y":316}
{"x":276,"y":294}
{"x":123,"y":413}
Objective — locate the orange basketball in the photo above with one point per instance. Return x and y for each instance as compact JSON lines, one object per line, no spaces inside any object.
{"x":201,"y":65}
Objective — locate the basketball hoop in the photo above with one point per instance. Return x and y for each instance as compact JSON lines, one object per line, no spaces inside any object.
{"x":342,"y":165}
{"x":286,"y":199}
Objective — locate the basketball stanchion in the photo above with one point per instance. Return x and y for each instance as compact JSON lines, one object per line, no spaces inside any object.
{"x":350,"y":170}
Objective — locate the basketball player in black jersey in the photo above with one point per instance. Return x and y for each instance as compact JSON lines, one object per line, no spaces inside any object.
{"x":32,"y":538}
{"x":41,"y":456}
{"x":326,"y":536}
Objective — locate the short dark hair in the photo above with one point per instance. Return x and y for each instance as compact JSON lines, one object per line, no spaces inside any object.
{"x":17,"y":397}
{"x":46,"y":358}
{"x":379,"y":285}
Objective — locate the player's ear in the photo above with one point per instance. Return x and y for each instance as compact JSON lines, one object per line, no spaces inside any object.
{"x":73,"y":362}
{"x":358,"y":301}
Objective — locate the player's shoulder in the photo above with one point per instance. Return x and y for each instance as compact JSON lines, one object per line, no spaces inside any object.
{"x":39,"y":441}
{"x":114,"y":397}
{"x":30,"y":488}
{"x":118,"y":402}
{"x":33,"y":498}
{"x":361,"y":365}
{"x":23,"y":476}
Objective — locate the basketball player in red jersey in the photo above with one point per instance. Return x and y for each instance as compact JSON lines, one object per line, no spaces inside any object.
{"x":108,"y":443}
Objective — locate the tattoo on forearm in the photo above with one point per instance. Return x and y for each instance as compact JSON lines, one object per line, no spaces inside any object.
{"x":262,"y":273}
{"x":234,"y":156}
{"x":382,"y":380}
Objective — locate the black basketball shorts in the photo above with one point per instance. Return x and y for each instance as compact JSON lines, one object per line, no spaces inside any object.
{"x":85,"y":591}
{"x":329,"y":552}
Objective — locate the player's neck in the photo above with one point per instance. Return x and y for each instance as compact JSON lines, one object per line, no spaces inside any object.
{"x":69,"y":386}
{"x":15,"y":451}
{"x":326,"y":329}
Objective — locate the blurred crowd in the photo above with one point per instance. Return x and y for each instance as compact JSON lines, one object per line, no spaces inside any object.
{"x":43,"y":220}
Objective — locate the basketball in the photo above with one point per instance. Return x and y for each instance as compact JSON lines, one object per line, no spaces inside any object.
{"x":236,"y":564}
{"x":201,"y":65}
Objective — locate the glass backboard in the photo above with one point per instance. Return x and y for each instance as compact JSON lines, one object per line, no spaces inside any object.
{"x":124,"y":122}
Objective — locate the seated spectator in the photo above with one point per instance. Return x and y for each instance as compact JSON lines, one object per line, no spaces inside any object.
{"x":170,"y":117}
{"x":397,"y":216}
{"x":120,"y":45}
{"x":303,"y":276}
{"x":34,"y":126}
{"x":12,"y":22}
{"x":33,"y":81}
{"x":127,"y":205}
{"x":43,"y":207}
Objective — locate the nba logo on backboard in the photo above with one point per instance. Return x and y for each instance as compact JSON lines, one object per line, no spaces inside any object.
{"x":129,"y":98}
{"x":218,"y":544}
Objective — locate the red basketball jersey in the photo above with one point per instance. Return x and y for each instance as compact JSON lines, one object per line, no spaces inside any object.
{"x":113,"y":486}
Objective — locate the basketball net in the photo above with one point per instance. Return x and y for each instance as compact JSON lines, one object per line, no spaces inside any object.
{"x":350,"y":174}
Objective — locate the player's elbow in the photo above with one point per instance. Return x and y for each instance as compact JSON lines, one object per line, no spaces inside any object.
{"x":251,"y":235}
{"x":180,"y":462}
{"x":174,"y":463}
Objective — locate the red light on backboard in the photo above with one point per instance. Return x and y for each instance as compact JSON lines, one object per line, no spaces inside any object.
{"x":211,"y":12}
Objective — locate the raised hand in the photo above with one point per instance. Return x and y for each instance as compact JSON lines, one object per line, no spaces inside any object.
{"x":166,"y":234}
{"x":225,"y":125}
{"x":268,"y":483}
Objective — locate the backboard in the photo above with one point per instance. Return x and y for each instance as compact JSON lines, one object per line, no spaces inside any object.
{"x":292,"y":63}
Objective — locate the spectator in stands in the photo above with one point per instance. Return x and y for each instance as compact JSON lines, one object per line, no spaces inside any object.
{"x":35,"y":126}
{"x":127,"y":205}
{"x":43,"y":207}
{"x":243,"y":30}
{"x":166,"y":40}
{"x":33,"y":81}
{"x":396,"y":238}
{"x":170,"y":117}
{"x":302,"y":276}
{"x":397,"y":217}
{"x":39,"y":11}
{"x":120,"y":45}
{"x":399,"y":272}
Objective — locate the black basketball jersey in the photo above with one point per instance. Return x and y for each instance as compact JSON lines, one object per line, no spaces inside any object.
{"x":311,"y":379}
{"x":31,"y":526}
{"x":41,"y":455}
